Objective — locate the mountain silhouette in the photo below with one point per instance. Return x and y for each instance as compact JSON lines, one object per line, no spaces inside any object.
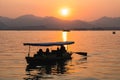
{"x":107,"y":23}
{"x":31,"y":22}
{"x":2,"y":25}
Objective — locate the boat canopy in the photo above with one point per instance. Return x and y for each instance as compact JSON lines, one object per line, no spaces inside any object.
{"x":49,"y":43}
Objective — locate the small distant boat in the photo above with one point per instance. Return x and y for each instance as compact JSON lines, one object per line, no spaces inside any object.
{"x":66,"y":30}
{"x":44,"y":57}
{"x":114,"y":32}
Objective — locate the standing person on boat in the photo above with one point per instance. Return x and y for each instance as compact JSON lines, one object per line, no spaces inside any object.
{"x":62,"y":49}
{"x":58,"y":49}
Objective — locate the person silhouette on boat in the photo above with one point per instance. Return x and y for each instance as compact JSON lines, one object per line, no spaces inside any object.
{"x":58,"y":52}
{"x":47,"y":51}
{"x":40,"y":50}
{"x":62,"y":49}
{"x":39,"y":53}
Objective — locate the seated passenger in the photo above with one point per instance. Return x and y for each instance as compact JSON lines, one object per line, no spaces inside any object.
{"x":47,"y":51}
{"x":58,"y":52}
{"x":40,"y":52}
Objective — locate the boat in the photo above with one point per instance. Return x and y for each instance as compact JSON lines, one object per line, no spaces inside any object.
{"x":45,"y":57}
{"x":66,"y":30}
{"x":114,"y":32}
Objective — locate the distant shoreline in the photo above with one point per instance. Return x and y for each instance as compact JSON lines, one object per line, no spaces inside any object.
{"x":57,"y":30}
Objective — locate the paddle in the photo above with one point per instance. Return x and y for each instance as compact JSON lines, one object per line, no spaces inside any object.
{"x":81,"y":53}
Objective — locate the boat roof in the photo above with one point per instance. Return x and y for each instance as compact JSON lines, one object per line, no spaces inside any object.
{"x":49,"y":43}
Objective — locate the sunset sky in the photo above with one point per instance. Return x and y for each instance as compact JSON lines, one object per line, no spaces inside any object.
{"x":77,"y":9}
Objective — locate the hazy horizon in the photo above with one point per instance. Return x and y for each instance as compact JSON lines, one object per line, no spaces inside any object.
{"x":83,"y":10}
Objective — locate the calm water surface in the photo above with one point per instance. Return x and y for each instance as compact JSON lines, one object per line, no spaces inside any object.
{"x":102,"y":63}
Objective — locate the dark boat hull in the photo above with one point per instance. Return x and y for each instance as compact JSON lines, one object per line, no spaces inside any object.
{"x":47,"y":59}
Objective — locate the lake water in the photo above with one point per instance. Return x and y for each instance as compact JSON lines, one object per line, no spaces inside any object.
{"x":102,"y":63}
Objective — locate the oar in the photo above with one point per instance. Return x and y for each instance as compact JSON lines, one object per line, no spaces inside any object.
{"x":81,"y":53}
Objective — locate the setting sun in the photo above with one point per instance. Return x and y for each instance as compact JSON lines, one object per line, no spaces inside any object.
{"x":64,"y":12}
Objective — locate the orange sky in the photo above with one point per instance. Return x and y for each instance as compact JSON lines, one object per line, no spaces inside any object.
{"x":79,"y":9}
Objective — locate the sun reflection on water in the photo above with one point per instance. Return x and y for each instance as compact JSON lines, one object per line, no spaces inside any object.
{"x":64,"y":36}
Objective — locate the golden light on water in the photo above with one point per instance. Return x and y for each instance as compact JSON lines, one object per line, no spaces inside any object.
{"x":64,"y":35}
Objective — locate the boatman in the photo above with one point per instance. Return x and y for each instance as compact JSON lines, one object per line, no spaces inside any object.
{"x":62,"y":49}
